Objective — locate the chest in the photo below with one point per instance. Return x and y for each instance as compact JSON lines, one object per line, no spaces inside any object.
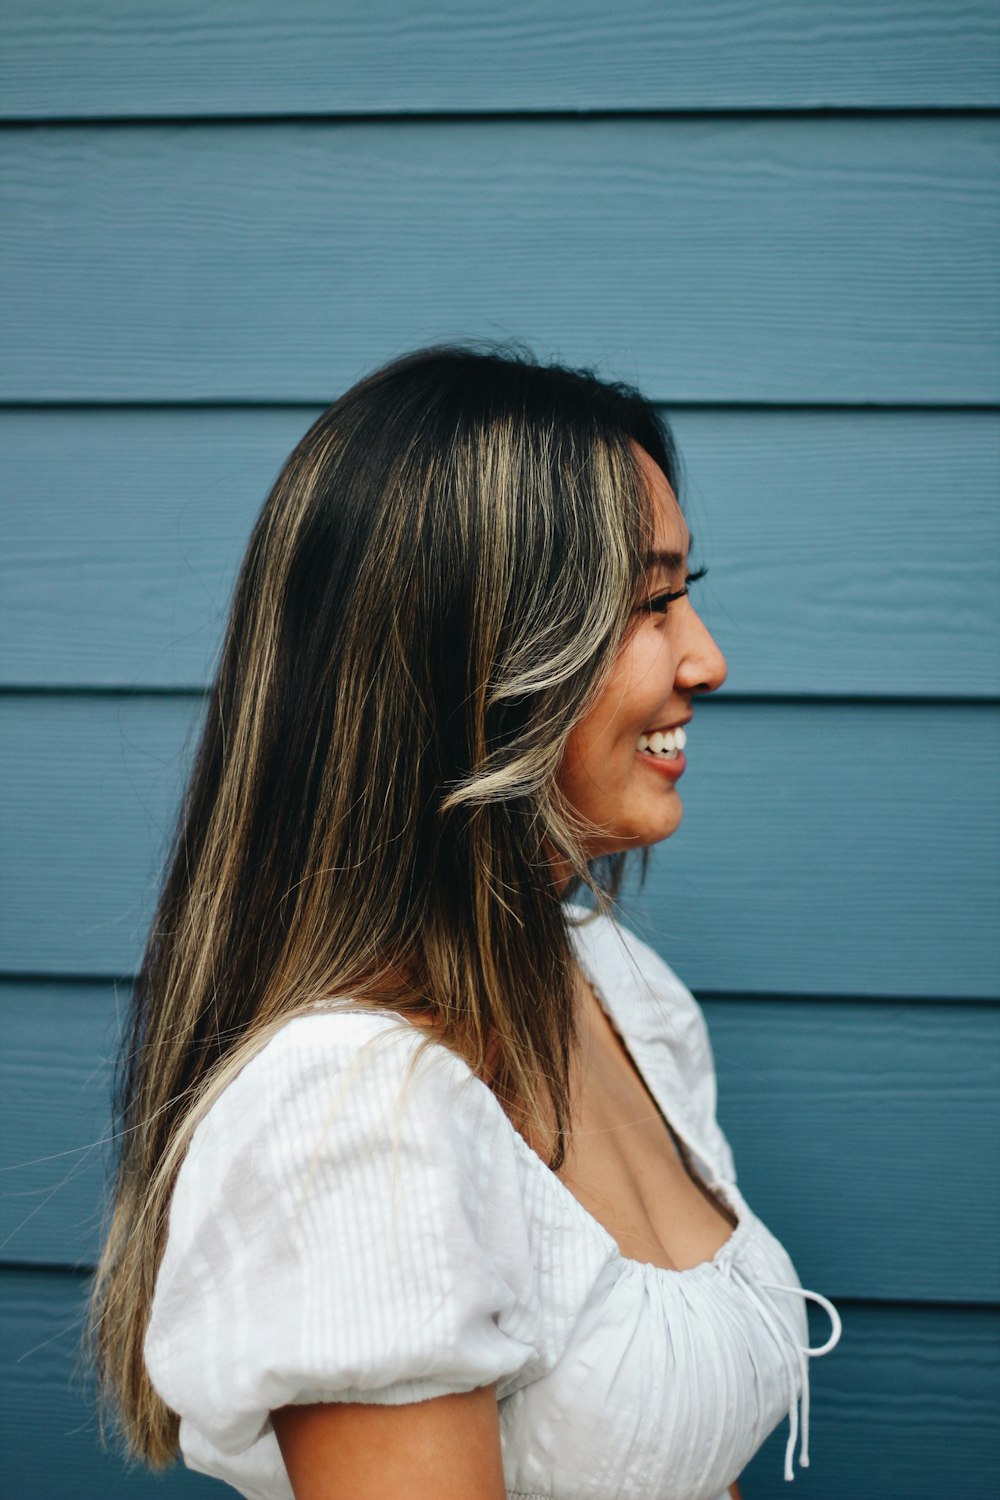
{"x":627,"y":1167}
{"x":667,"y":1386}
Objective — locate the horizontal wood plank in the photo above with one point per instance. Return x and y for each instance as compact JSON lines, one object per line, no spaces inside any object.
{"x":117,"y":57}
{"x":853,"y":552}
{"x":819,"y":853}
{"x":51,"y":1446}
{"x":59,"y":1043}
{"x":905,"y":1404}
{"x":826,"y":259}
{"x":864,"y":1135}
{"x":877,"y":1192}
{"x":826,"y":848}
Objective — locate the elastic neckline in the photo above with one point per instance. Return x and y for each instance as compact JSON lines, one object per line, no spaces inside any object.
{"x":714,"y":1263}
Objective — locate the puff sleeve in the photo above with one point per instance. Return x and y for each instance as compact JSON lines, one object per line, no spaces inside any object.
{"x":346,"y":1226}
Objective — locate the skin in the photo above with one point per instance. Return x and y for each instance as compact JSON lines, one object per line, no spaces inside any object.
{"x":449,"y":1448}
{"x":444,"y":1449}
{"x":668,"y":658}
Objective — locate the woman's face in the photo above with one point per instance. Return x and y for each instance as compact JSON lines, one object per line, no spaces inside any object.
{"x":631,"y":793}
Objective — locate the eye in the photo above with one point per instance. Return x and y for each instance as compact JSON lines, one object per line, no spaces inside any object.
{"x":658,"y":604}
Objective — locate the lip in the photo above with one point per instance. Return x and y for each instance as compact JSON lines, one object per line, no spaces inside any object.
{"x":671,"y":769}
{"x":664,"y":728}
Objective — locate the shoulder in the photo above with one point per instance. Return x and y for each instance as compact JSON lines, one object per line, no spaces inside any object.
{"x":347,"y":1225}
{"x":339,"y":1055}
{"x":342,"y":1097}
{"x":345,"y":1044}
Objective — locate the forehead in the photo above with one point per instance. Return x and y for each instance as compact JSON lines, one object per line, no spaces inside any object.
{"x":670,"y":532}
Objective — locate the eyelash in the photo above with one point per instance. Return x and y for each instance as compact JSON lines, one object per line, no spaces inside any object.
{"x":658,"y":604}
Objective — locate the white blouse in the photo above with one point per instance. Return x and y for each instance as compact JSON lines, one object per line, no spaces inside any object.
{"x":354,"y":1222}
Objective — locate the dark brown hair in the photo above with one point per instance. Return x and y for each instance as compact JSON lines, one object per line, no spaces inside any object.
{"x":432,"y":597}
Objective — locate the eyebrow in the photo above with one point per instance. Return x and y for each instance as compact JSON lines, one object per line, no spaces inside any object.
{"x":669,"y":560}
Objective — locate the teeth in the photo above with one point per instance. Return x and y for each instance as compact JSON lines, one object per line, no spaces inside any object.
{"x":668,"y":744}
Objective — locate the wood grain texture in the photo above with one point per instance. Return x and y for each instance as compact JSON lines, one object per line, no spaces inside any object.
{"x":49,"y":1443}
{"x":117,"y":57}
{"x":624,"y":190}
{"x":864,"y":1134}
{"x":906,"y":1405}
{"x":57,"y":1048}
{"x":851,"y":552}
{"x":831,"y":259}
{"x":823,"y":851}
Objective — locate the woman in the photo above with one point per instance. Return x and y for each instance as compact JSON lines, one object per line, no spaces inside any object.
{"x":421,"y":1192}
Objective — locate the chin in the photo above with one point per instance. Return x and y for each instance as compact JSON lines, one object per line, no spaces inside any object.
{"x":665,"y":833}
{"x":648,"y":837}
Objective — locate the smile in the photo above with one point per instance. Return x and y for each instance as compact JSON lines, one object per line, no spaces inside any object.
{"x":664,"y":746}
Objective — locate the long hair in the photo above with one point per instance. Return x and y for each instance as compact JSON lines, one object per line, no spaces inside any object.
{"x":432,"y":597}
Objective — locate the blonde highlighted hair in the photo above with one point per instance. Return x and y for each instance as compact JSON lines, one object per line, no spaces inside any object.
{"x":432,"y":597}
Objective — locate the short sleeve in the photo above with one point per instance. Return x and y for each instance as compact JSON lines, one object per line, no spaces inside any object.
{"x":346,"y":1226}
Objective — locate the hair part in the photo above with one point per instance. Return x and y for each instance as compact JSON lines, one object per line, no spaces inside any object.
{"x":432,"y":597}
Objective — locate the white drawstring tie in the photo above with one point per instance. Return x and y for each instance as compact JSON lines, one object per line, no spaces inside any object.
{"x":795,"y":1361}
{"x":804,"y":1354}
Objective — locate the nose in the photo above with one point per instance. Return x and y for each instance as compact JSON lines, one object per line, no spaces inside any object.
{"x":702,"y":667}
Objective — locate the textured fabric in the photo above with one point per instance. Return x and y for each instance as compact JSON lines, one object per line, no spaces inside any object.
{"x":357,"y":1222}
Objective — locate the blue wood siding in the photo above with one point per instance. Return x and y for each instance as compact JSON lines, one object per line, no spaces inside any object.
{"x":825,"y":259}
{"x":805,"y":1114}
{"x":248,"y":57}
{"x":911,"y":1397}
{"x":832,"y":864}
{"x":782,"y":221}
{"x":854,"y":552}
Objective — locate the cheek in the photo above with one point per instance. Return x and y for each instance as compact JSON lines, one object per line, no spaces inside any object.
{"x":643,"y":682}
{"x":586,"y":753}
{"x":631,"y":699}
